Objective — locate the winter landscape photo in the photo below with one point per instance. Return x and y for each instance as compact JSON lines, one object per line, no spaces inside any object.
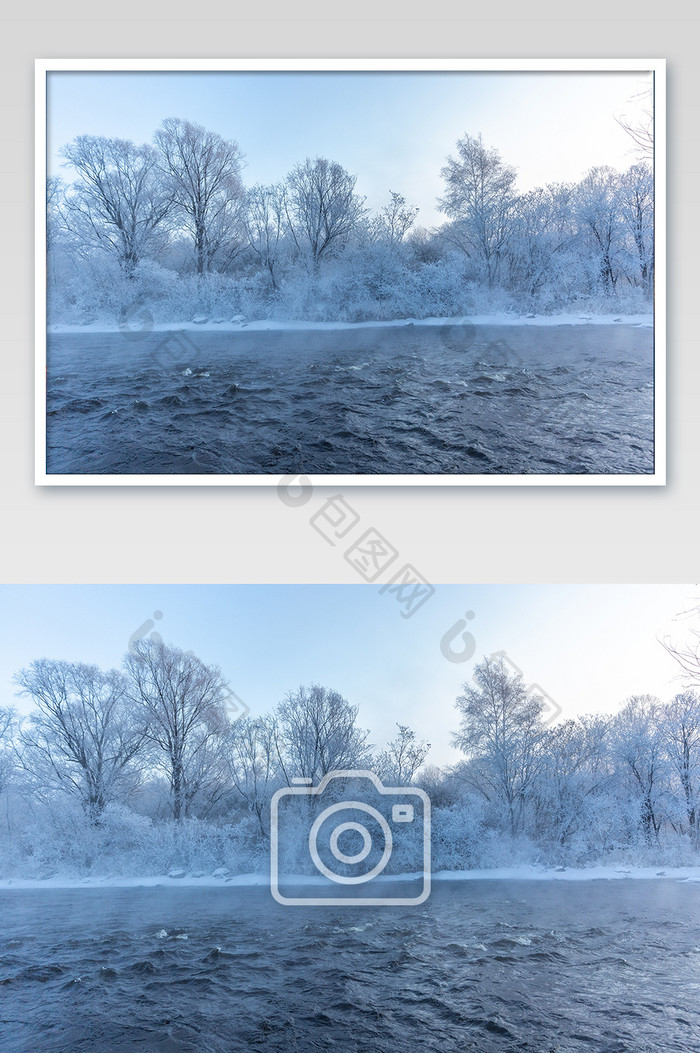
{"x":287,"y":818}
{"x":412,"y":274}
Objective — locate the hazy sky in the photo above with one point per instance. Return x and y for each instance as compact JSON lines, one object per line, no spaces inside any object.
{"x":587,"y":646}
{"x":393,"y":129}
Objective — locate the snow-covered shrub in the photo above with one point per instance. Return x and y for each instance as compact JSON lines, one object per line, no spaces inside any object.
{"x":459,"y":836}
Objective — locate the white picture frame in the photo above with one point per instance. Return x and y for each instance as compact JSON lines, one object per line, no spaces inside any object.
{"x":45,"y":67}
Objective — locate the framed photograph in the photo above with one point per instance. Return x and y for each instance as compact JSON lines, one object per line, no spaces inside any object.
{"x":440,"y":272}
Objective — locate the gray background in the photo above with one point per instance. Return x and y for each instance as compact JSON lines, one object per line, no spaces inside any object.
{"x":487,"y":534}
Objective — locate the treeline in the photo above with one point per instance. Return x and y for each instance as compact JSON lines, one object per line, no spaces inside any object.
{"x":171,"y":227}
{"x":146,"y":768}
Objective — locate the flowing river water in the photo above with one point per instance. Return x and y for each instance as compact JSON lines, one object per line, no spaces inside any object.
{"x":573,"y":399}
{"x":506,"y":965}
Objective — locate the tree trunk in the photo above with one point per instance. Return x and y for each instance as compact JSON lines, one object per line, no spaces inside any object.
{"x":178,"y":790}
{"x":201,"y":251}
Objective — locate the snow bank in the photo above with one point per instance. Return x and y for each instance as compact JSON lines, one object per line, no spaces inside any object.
{"x":519,"y":873}
{"x":595,"y":873}
{"x":158,"y":881}
{"x":640,"y":320}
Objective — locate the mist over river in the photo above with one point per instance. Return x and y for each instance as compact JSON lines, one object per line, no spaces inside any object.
{"x":401,"y":400}
{"x":505,"y":965}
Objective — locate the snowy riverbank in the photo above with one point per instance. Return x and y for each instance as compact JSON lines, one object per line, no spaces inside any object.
{"x":222,"y":878}
{"x":204,"y":324}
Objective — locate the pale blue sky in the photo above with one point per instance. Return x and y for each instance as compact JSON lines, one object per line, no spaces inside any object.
{"x":391,"y":129}
{"x":588,"y":647}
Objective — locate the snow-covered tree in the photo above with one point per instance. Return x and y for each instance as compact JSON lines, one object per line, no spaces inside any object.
{"x":322,"y":208}
{"x":265,"y":225}
{"x":501,"y":732}
{"x":202,"y":174}
{"x":254,"y":765}
{"x":401,"y":760}
{"x":393,"y":222}
{"x":181,"y":702}
{"x":576,"y":768}
{"x":9,"y":727}
{"x":598,"y":210}
{"x":638,"y":743}
{"x":640,"y":126}
{"x":317,"y":733}
{"x":84,"y":738}
{"x":55,"y":207}
{"x":542,"y":250}
{"x":680,"y":728}
{"x":118,"y":202}
{"x":686,"y":650}
{"x":636,"y":202}
{"x":479,"y":199}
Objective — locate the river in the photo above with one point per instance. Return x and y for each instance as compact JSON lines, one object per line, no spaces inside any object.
{"x":483,"y":400}
{"x":504,"y":965}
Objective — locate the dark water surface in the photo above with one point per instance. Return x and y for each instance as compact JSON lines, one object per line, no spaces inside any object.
{"x":603,"y":967}
{"x":405,"y":400}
